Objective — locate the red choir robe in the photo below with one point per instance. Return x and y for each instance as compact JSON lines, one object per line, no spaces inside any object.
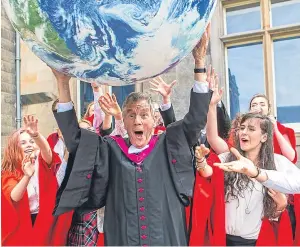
{"x":208,"y":214}
{"x":100,"y":241}
{"x":16,"y":223}
{"x":208,"y":211}
{"x":296,"y":200}
{"x":159,"y":128}
{"x":90,"y":119}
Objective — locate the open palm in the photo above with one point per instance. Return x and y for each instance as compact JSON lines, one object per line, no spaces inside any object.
{"x":109,"y":105}
{"x":241,"y":165}
{"x":213,"y":81}
{"x":160,"y":86}
{"x":31,"y":125}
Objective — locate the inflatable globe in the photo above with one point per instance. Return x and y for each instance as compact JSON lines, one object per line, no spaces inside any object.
{"x":114,"y":42}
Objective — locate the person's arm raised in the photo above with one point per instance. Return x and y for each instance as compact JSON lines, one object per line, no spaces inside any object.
{"x":31,"y":126}
{"x":65,"y":115}
{"x":165,"y":90}
{"x":283,"y":141}
{"x":195,"y":120}
{"x":99,"y":115}
{"x":216,"y":142}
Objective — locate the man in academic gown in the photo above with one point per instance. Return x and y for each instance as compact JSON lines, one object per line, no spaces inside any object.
{"x":144,"y":181}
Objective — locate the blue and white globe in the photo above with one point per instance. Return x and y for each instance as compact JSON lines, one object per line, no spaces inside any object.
{"x":114,"y":42}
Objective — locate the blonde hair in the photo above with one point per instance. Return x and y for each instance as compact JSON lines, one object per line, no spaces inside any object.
{"x":86,"y":114}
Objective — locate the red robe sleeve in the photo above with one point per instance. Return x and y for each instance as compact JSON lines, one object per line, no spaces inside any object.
{"x":208,"y":212}
{"x":15,"y":216}
{"x":50,"y":230}
{"x":273,"y":233}
{"x":297,"y":216}
{"x":291,"y":135}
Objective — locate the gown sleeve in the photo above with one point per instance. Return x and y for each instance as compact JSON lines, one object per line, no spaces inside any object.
{"x":168,"y":116}
{"x":181,"y":136}
{"x":87,"y":167}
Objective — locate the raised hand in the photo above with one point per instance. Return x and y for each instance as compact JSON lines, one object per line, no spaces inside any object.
{"x":60,"y":77}
{"x":95,"y":86}
{"x":109,"y":105}
{"x":241,"y":165}
{"x":200,"y":152}
{"x":213,"y":80}
{"x":31,"y":125}
{"x":161,"y":87}
{"x":28,"y":165}
{"x":200,"y":50}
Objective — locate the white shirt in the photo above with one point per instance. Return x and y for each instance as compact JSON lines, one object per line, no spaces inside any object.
{"x":100,"y":219}
{"x":60,"y":150}
{"x":33,"y":190}
{"x":133,"y":150}
{"x":287,"y":177}
{"x":237,"y":222}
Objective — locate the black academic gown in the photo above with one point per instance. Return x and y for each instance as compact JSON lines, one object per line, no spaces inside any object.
{"x":145,"y":197}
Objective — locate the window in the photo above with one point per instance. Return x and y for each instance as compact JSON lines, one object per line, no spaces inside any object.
{"x":246,"y":75}
{"x":287,"y":79}
{"x":243,"y":18}
{"x":262,"y":55}
{"x":285,"y":12}
{"x":122,"y":92}
{"x":86,"y":96}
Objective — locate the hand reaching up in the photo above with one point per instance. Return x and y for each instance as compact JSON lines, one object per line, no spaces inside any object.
{"x":161,"y":87}
{"x":31,"y":125}
{"x":95,"y":87}
{"x":200,"y":152}
{"x":200,"y":50}
{"x":60,"y":77}
{"x":109,"y":105}
{"x":213,"y":80}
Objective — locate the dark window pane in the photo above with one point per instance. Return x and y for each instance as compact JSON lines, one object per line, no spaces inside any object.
{"x":246,"y":76}
{"x":122,"y":92}
{"x":86,"y":96}
{"x":287,"y":79}
{"x":243,"y":18}
{"x":285,"y":12}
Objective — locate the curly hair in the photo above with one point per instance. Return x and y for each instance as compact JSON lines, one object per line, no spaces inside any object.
{"x":236,"y":184}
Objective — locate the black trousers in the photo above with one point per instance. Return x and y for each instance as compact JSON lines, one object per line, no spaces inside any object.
{"x":291,"y":211}
{"x":33,"y":218}
{"x":239,"y":241}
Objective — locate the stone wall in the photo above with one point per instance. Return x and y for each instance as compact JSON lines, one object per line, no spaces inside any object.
{"x":8,"y":82}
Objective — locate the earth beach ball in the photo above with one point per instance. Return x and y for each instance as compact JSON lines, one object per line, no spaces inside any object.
{"x":113,"y":42}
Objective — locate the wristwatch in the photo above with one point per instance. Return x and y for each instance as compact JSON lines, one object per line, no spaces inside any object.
{"x":200,"y":70}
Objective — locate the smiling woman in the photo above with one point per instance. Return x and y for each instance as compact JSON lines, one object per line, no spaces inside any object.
{"x":29,"y":187}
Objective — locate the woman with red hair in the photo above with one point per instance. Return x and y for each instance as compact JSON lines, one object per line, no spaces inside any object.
{"x":29,"y":188}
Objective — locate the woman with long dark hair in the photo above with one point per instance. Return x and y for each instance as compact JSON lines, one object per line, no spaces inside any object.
{"x":247,"y":201}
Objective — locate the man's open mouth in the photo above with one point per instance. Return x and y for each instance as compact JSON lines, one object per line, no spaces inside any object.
{"x":139,"y":134}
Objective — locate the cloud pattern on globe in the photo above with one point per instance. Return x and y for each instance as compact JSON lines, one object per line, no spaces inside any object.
{"x":112,"y":42}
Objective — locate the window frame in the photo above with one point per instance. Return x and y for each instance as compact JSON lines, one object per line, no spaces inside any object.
{"x":267,"y":34}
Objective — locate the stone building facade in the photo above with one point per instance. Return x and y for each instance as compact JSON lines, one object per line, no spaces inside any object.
{"x":38,"y":87}
{"x":8,"y":86}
